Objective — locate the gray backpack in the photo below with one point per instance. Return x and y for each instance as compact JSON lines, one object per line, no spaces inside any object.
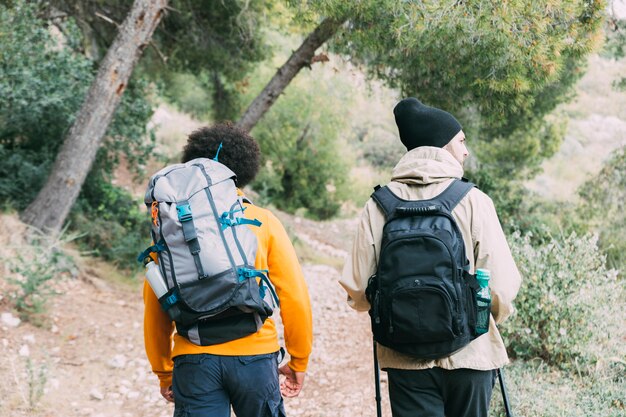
{"x":206,"y":253}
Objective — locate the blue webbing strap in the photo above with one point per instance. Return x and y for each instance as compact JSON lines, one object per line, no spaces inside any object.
{"x":189,"y":232}
{"x":245,"y":273}
{"x":156,"y":248}
{"x":227,"y":219}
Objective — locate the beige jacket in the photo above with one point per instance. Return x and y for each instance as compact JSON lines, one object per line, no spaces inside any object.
{"x":421,"y":174}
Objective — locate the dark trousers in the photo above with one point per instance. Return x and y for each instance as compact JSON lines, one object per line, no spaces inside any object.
{"x":439,"y":392}
{"x":207,"y":385}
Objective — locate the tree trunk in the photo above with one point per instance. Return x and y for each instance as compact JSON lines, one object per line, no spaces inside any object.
{"x":52,"y":205}
{"x":300,"y":58}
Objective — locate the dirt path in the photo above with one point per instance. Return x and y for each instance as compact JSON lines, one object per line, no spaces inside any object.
{"x":90,"y":360}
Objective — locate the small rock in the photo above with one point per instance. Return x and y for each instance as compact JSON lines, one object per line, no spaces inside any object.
{"x":29,"y":338}
{"x":10,"y":320}
{"x":132,"y":394}
{"x":24,"y":351}
{"x":95,"y":394}
{"x":117,"y":361}
{"x":54,"y":383}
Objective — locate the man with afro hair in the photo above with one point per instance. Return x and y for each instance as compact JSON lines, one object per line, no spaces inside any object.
{"x":205,"y":381}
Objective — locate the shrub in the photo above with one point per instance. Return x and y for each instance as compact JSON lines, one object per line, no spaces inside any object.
{"x":567,"y":305}
{"x":34,"y":268}
{"x":305,"y":161}
{"x":115,"y":224}
{"x":603,"y":206}
{"x":22,"y":173}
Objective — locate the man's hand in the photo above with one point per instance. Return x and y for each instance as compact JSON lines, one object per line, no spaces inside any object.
{"x":292,"y":385}
{"x":167,"y":393}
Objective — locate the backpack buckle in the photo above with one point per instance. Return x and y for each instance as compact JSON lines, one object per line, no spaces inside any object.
{"x":184,"y":212}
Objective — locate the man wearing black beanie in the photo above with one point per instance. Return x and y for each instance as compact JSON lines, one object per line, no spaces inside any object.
{"x":458,"y":383}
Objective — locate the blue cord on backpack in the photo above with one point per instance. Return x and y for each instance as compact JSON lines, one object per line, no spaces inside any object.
{"x":219,"y":148}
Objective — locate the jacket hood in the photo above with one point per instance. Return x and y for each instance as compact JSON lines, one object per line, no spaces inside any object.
{"x":426,"y":165}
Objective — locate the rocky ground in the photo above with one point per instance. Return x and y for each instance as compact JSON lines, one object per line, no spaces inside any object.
{"x":88,"y":358}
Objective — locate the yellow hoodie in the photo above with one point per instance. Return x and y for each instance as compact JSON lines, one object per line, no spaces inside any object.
{"x":276,"y":254}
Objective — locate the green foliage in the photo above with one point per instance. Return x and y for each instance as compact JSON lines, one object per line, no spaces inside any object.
{"x":33,"y":270}
{"x":43,"y":83}
{"x":37,"y":377}
{"x":603,"y":208}
{"x":305,"y":159}
{"x":22,"y":173}
{"x":303,"y":166}
{"x":568,"y":303}
{"x":615,"y":46}
{"x":501,"y":68}
{"x":188,"y":92}
{"x":218,"y":42}
{"x":113,"y":221}
{"x":496,"y":58}
{"x":380,"y":147}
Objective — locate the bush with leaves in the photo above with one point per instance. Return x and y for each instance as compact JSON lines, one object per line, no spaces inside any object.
{"x":37,"y":264}
{"x":305,"y":160}
{"x":115,"y":224}
{"x":603,"y":206}
{"x":568,"y":305}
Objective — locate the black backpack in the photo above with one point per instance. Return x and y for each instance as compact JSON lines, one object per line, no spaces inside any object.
{"x":422,"y":296}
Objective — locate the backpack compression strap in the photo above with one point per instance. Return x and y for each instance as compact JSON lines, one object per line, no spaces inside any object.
{"x":189,"y":232}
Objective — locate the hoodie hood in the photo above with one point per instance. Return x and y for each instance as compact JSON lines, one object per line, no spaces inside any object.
{"x":426,"y":165}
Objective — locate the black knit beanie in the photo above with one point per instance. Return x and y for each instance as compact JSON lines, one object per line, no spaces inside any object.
{"x":421,"y":125}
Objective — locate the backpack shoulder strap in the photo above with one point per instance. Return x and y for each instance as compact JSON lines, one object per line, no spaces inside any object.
{"x":386,"y":200}
{"x":453,"y":195}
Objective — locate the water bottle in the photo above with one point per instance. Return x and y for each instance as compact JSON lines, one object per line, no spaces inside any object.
{"x":483,"y":301}
{"x":155,"y":279}
{"x":157,"y":283}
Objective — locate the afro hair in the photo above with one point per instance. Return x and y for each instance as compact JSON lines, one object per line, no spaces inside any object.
{"x":239,"y":152}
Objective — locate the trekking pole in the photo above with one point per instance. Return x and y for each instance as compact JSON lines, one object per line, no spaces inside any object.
{"x":379,"y":410}
{"x":505,"y":397}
